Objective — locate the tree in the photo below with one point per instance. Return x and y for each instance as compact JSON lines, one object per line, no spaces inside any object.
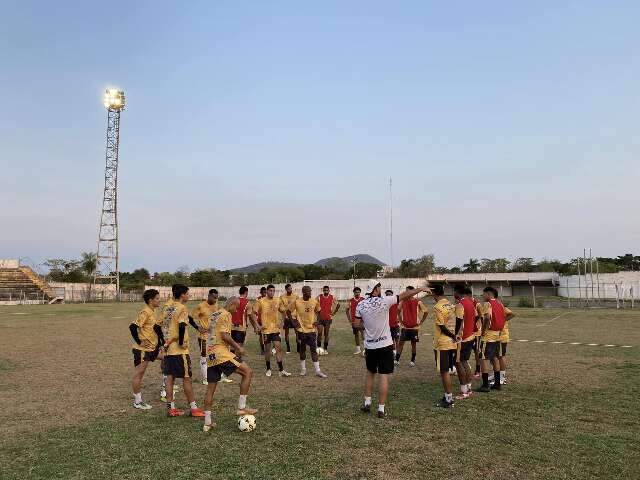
{"x":89,"y":263}
{"x":363,"y":270}
{"x":62,"y":270}
{"x":523,"y":264}
{"x":472,"y":266}
{"x":415,"y":267}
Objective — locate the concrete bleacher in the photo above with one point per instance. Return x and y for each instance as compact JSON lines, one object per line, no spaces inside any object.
{"x":22,"y":285}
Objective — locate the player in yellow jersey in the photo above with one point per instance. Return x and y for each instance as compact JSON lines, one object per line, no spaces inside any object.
{"x":201,"y":315}
{"x":268,"y":310}
{"x":177,"y":361}
{"x":256,"y":316}
{"x":286,"y":303}
{"x":148,"y":338}
{"x":445,"y":342}
{"x":502,"y":350}
{"x":222,"y":361}
{"x":306,"y":311}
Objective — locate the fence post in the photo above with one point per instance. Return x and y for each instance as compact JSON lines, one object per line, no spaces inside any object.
{"x":568,"y":292}
{"x":533,"y":294}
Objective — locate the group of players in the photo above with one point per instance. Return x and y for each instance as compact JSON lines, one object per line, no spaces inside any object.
{"x":381,"y":325}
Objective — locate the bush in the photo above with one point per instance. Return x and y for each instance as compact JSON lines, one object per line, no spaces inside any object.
{"x":524,"y":302}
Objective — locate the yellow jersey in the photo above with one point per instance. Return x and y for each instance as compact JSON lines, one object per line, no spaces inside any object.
{"x":495,"y":335}
{"x":287,"y":303}
{"x":202,"y":313}
{"x":217,"y":349}
{"x":306,"y":314}
{"x":445,"y":314}
{"x":173,"y":314}
{"x":504,"y":334}
{"x":145,"y":321}
{"x":268,"y":310}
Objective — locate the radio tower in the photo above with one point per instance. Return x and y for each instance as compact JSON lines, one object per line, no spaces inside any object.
{"x":391,"y":221}
{"x":108,"y":265}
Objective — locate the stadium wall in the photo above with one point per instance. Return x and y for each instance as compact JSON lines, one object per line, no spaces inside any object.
{"x":605,"y":286}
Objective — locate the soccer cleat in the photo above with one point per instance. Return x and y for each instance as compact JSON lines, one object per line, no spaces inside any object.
{"x":204,"y":381}
{"x":320,"y":351}
{"x":365,"y":408}
{"x":246,"y":411}
{"x":174,"y":412}
{"x":496,"y":386}
{"x":163,"y":395}
{"x":462,"y":396}
{"x":273,"y":351}
{"x":303,"y":373}
{"x":396,"y":362}
{"x":357,"y":351}
{"x":412,"y":364}
{"x":382,"y":414}
{"x":225,"y":379}
{"x":444,"y":404}
{"x":364,"y":354}
{"x":503,"y":381}
{"x":284,"y":373}
{"x":207,"y":427}
{"x":320,"y":374}
{"x":196,"y":412}
{"x":325,"y":351}
{"x":484,"y":389}
{"x":142,"y":406}
{"x":268,"y":374}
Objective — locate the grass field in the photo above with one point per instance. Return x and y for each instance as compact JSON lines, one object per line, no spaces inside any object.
{"x":569,"y":411}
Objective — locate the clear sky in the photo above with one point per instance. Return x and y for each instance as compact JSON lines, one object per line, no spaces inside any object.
{"x":268,"y":130}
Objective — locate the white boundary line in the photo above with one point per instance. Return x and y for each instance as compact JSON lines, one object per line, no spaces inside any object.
{"x":522,"y":340}
{"x":553,"y":319}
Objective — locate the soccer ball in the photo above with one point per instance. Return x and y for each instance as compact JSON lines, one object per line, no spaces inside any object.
{"x":246,"y":423}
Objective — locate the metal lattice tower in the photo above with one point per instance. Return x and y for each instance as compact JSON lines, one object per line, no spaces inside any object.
{"x":108,"y":267}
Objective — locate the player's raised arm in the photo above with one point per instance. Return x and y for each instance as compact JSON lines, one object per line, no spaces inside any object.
{"x":411,"y":293}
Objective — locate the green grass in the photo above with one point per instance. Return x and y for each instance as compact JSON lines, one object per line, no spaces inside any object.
{"x":568,"y":411}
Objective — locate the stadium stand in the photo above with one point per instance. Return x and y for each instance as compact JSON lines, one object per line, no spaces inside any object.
{"x":21,"y":284}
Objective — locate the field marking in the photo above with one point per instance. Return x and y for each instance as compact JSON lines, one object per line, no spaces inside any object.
{"x":539,"y":341}
{"x":592,"y":344}
{"x":557,"y":343}
{"x":19,"y":313}
{"x":119,"y":317}
{"x":574,"y":343}
{"x":553,"y":319}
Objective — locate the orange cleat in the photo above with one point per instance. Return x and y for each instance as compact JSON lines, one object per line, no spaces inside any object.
{"x":246,"y":411}
{"x":196,"y":412}
{"x":174,"y":412}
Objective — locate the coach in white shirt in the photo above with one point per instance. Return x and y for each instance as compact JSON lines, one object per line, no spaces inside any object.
{"x":373,"y":314}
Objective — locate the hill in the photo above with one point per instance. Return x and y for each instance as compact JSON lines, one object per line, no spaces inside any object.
{"x":338,"y":263}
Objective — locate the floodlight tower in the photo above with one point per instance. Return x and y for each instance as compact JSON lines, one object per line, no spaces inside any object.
{"x":108,"y":267}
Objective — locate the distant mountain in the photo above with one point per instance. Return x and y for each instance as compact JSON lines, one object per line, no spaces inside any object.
{"x":338,"y":263}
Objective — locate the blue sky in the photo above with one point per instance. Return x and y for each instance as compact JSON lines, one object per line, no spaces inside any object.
{"x":268,"y":130}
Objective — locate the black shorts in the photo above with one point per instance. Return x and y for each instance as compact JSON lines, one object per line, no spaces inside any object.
{"x":379,"y":360}
{"x":502,"y":351}
{"x":409,"y":334}
{"x":178,"y":366}
{"x":356,"y":330}
{"x":476,"y":344}
{"x":395,"y":332}
{"x":325,"y":323}
{"x":214,"y":374}
{"x":140,"y":356}
{"x":202,"y":345}
{"x":288,"y":323}
{"x":488,"y":351}
{"x":465,"y":350}
{"x":445,"y":360}
{"x":309,"y":339}
{"x":271,"y":337}
{"x":238,"y":336}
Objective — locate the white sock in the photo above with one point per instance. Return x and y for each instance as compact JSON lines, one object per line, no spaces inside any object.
{"x":207,"y":417}
{"x":448,"y":397}
{"x":164,"y":381}
{"x":367,"y":401}
{"x":464,"y":388}
{"x":173,"y":405}
{"x":316,"y":365}
{"x":394,"y":354}
{"x":491,"y":378}
{"x":503,"y":374}
{"x":193,"y":405}
{"x":303,"y":364}
{"x":137,"y":397}
{"x":203,"y":367}
{"x":381,"y":407}
{"x":242,"y":402}
{"x":468,"y":387}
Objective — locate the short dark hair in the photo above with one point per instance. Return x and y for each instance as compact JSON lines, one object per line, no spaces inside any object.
{"x":388,"y":291}
{"x":437,"y":289}
{"x":178,"y":290}
{"x":459,"y":288}
{"x":410,"y":288}
{"x":213,"y":290}
{"x":270,"y":286}
{"x":243,"y":290}
{"x":467,"y":291}
{"x":287,"y":285}
{"x":491,"y":290}
{"x":326,"y":286}
{"x":149,"y":295}
{"x":357,"y":289}
{"x":263,"y":289}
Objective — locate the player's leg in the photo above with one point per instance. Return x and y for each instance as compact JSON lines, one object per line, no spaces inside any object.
{"x":310,"y":340}
{"x":203,"y":360}
{"x":327,"y":329}
{"x":187,"y":384}
{"x":496,"y":369}
{"x":503,"y":362}
{"x":278,"y":347}
{"x":414,"y":344}
{"x":400,"y":346}
{"x":286,"y":337}
{"x":302,"y":353}
{"x":136,"y":382}
{"x":356,"y":338}
{"x":467,"y":348}
{"x":445,"y":361}
{"x":261,"y":340}
{"x":487,"y":355}
{"x":208,"y":401}
{"x":368,"y":391}
{"x":267,"y":354}
{"x":320,"y":329}
{"x":476,"y":351}
{"x":245,"y":385}
{"x":462,"y":374}
{"x":385,"y":362}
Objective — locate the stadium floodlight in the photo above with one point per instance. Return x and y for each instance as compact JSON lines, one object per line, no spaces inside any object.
{"x":108,"y":268}
{"x":114,"y":99}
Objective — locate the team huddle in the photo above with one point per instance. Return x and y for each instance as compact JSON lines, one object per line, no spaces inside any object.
{"x":381,"y":325}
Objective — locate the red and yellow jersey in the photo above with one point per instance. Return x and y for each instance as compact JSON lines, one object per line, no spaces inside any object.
{"x":268,"y":311}
{"x":466,"y":310}
{"x":497,"y":319}
{"x":173,"y":314}
{"x":287,"y":303}
{"x":306,"y":314}
{"x":239,"y":317}
{"x":444,"y":313}
{"x":145,"y":321}
{"x":202,"y":314}
{"x":217,"y":349}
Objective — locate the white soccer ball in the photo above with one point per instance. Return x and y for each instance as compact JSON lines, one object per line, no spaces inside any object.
{"x":246,"y":423}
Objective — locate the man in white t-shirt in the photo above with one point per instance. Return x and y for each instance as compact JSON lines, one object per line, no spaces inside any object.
{"x":373,"y":314}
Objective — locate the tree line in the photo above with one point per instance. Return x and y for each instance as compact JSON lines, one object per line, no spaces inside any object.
{"x":82,"y":270}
